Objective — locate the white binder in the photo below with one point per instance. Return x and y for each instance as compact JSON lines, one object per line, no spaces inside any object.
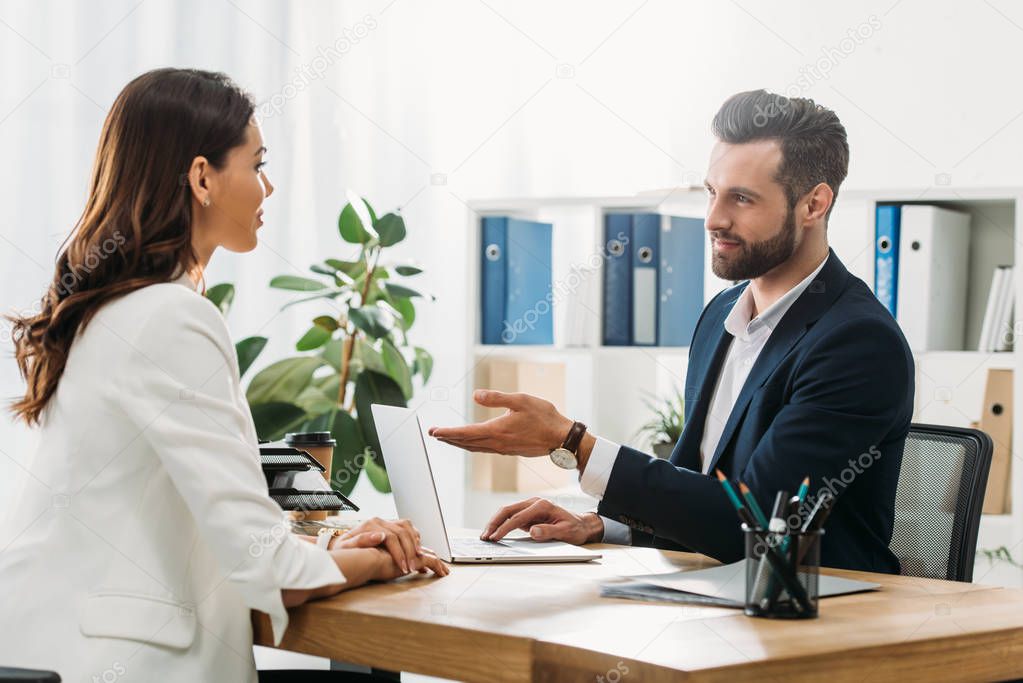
{"x":1003,"y":328}
{"x":934,"y":250}
{"x":987,"y":329}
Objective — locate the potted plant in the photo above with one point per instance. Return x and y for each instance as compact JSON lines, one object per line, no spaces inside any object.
{"x":665,"y":428}
{"x":356,"y":351}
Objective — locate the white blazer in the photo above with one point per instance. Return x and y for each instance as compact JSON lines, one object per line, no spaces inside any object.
{"x":145,"y":534}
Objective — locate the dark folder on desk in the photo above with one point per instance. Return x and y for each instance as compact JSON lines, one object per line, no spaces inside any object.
{"x":723,"y":586}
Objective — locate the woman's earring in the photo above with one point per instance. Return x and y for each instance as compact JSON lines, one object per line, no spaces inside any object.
{"x":206,"y":202}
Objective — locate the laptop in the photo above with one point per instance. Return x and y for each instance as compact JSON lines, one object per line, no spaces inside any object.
{"x":415,"y":496}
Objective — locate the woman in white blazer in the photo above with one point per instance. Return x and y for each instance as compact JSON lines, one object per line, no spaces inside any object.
{"x":145,"y":534}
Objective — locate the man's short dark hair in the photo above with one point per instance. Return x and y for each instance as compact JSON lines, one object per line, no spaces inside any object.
{"x":813,"y":142}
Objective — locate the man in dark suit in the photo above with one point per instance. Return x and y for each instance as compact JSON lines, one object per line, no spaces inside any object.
{"x":798,"y":371}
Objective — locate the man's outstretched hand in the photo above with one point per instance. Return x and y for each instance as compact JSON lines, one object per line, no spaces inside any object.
{"x":532,"y":426}
{"x":545,"y":521}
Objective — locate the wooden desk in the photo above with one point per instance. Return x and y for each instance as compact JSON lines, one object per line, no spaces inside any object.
{"x":548,"y":623}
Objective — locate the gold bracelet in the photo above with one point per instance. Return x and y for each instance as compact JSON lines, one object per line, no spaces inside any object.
{"x":325,"y":535}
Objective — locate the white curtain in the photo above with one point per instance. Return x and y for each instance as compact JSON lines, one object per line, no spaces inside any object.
{"x":427,"y":104}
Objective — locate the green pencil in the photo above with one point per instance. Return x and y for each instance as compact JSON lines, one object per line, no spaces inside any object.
{"x":752,"y":503}
{"x":729,"y":490}
{"x":804,"y":488}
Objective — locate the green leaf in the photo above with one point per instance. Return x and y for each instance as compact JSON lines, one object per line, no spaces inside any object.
{"x":424,"y":363}
{"x":377,"y":476}
{"x":406,"y":310}
{"x":320,"y":423}
{"x":325,"y":294}
{"x":314,"y":338}
{"x":283,"y":381}
{"x":340,"y":277}
{"x":326,"y":322}
{"x":369,"y":357}
{"x":248,"y":350}
{"x":314,"y":401}
{"x":222,"y":296}
{"x":397,"y":368}
{"x":348,"y":453}
{"x":372,"y":213}
{"x":371,"y":320}
{"x":332,"y":351}
{"x":350,"y":226}
{"x":352,"y":269}
{"x":374,"y":294}
{"x":407,"y":270}
{"x":329,"y":385}
{"x":396,"y":290}
{"x":275,"y":418}
{"x":372,"y":387}
{"x":365,"y":213}
{"x":296,"y":283}
{"x":390,"y":228}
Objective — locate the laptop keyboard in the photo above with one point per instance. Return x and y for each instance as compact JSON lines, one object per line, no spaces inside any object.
{"x":470,"y":547}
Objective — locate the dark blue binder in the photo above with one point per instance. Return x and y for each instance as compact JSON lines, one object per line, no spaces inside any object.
{"x":681,"y":280}
{"x":646,"y":228}
{"x":515,"y":283}
{"x":886,"y":255}
{"x":493,"y":278}
{"x":618,"y":279}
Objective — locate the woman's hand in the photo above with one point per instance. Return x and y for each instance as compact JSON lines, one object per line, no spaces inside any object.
{"x":400,"y":537}
{"x":387,"y":569}
{"x":362,"y":558}
{"x":363,"y":564}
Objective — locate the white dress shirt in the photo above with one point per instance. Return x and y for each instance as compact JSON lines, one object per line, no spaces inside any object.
{"x":144,"y":534}
{"x":750,"y":335}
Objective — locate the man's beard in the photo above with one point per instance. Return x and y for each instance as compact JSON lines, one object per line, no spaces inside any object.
{"x":757,"y":258}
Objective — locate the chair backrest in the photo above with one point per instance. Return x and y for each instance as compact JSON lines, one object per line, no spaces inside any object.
{"x":939,"y":500}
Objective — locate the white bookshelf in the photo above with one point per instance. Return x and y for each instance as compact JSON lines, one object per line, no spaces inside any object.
{"x":607,"y":384}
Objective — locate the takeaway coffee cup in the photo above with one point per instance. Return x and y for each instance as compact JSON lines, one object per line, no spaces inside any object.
{"x":320,"y":445}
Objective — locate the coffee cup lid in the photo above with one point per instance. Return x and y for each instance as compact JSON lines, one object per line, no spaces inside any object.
{"x":318,"y":438}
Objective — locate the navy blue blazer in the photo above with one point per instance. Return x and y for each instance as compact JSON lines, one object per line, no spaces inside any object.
{"x":830,"y":396}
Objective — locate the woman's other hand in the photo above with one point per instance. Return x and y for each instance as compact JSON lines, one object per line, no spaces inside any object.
{"x":401,"y":539}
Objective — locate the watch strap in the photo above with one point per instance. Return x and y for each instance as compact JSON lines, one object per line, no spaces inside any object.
{"x":575,"y":437}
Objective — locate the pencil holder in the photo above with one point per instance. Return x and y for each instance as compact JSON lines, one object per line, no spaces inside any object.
{"x":782,"y":573}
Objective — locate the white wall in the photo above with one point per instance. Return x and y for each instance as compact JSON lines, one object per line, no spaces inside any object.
{"x":470,"y":90}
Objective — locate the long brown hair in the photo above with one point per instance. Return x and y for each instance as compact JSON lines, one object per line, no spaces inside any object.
{"x":136,"y":229}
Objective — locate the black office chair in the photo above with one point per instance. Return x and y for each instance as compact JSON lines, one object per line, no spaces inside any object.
{"x":939,"y":500}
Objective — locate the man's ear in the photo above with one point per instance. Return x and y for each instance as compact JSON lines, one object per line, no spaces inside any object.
{"x":818,"y":201}
{"x":199,"y":180}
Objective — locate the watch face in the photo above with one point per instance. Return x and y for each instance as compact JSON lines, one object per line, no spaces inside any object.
{"x":564,"y":458}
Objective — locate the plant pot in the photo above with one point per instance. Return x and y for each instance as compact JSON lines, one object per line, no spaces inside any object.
{"x":663,"y":450}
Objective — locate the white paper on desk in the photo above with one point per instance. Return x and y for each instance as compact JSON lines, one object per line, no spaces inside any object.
{"x":729,"y":582}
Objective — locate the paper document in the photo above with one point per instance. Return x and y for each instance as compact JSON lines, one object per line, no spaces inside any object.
{"x":725,"y":584}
